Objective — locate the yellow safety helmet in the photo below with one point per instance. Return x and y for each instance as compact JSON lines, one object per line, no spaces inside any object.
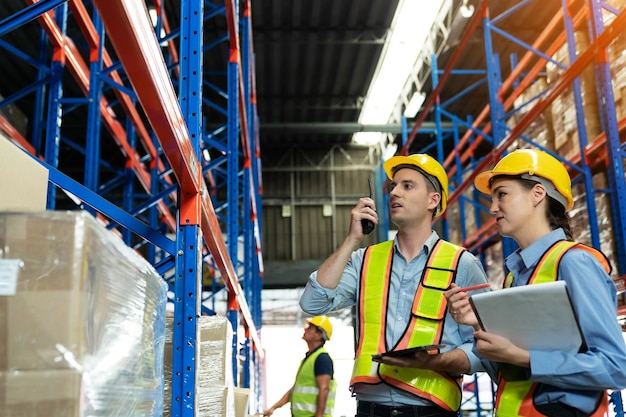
{"x":323,"y":323}
{"x":535,"y":165}
{"x":428,"y":166}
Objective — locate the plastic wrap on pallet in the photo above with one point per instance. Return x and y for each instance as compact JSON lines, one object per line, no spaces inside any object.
{"x":214,"y":376}
{"x":82,"y":320}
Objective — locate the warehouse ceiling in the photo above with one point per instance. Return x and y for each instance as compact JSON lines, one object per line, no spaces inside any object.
{"x":314,"y":61}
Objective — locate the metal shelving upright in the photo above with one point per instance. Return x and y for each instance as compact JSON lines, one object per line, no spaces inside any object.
{"x":188,"y":192}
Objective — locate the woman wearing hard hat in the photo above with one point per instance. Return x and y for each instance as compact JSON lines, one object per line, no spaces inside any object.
{"x":531,"y":194}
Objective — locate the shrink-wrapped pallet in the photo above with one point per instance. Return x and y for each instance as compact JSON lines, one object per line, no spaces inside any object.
{"x":82,"y":320}
{"x":214,"y":387}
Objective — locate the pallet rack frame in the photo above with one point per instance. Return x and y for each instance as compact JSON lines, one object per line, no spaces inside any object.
{"x":163,"y":158}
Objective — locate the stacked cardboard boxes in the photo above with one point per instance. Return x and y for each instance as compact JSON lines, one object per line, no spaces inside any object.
{"x":82,"y":320}
{"x":617,"y":60}
{"x":564,"y":116}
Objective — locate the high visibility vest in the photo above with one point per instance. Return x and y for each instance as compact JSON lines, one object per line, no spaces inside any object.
{"x":425,"y":326}
{"x":515,"y":398}
{"x":305,"y":391}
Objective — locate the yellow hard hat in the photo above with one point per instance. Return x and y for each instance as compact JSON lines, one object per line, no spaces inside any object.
{"x":425,"y":164}
{"x":323,"y":323}
{"x":535,"y":165}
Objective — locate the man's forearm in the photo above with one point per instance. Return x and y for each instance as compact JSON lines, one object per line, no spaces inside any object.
{"x":322,"y":398}
{"x":329,"y":273}
{"x":454,"y":362}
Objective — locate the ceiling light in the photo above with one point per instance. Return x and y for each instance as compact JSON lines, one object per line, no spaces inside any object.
{"x":415,"y":104}
{"x":367,"y":138}
{"x":410,"y":27}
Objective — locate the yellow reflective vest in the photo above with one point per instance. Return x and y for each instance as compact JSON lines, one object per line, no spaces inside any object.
{"x":515,"y":398}
{"x":305,"y":391}
{"x":425,"y":326}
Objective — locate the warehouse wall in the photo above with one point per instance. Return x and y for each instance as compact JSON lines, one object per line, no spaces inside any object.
{"x":307,"y":199}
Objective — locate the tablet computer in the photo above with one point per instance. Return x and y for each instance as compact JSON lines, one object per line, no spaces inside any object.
{"x":407,"y":352}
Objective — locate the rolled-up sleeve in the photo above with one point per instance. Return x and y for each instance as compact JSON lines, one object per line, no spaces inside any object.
{"x":320,"y":300}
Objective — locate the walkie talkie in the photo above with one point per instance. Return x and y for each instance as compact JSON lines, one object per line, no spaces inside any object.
{"x":367,"y":224}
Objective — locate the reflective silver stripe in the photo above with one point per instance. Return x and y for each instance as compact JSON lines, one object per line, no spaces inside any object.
{"x":310,"y":407}
{"x":306,"y":390}
{"x":304,"y":407}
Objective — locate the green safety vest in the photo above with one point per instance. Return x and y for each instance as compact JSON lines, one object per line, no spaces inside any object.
{"x":305,"y":391}
{"x":515,"y":398}
{"x":425,"y":326}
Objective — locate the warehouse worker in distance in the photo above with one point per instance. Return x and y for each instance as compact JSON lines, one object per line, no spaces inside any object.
{"x":398,"y":287}
{"x":313,"y":393}
{"x":530,"y":196}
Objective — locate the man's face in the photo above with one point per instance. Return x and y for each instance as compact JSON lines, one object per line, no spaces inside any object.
{"x":311,"y":333}
{"x":410,"y":198}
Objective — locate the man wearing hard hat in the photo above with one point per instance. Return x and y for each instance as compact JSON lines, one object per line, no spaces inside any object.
{"x":313,"y":393}
{"x":398,"y":287}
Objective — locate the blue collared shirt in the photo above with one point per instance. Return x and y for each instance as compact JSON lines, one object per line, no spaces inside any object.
{"x":405,"y":277}
{"x":571,"y":376}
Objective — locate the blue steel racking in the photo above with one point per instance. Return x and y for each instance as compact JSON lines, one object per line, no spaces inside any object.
{"x":162,"y":192}
{"x":490,"y":125}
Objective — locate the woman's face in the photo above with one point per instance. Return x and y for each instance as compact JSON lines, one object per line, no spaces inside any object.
{"x":513,"y":207}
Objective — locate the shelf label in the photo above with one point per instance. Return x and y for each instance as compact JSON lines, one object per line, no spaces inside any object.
{"x":9,"y":271}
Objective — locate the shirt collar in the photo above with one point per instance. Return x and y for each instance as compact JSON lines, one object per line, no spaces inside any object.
{"x":524,"y":259}
{"x":311,"y":352}
{"x":428,"y":245}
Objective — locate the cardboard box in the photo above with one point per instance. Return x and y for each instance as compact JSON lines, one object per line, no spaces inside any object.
{"x":23,"y":181}
{"x":40,"y":393}
{"x":241,"y":401}
{"x":72,"y":393}
{"x":72,"y":290}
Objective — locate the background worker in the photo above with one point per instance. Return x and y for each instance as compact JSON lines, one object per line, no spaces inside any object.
{"x":531,"y":194}
{"x":398,"y":288}
{"x":313,"y":392}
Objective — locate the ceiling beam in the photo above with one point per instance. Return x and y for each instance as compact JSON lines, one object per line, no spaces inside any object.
{"x":345,"y":127}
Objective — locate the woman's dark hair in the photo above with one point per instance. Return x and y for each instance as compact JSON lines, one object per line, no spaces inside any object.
{"x":557,"y":217}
